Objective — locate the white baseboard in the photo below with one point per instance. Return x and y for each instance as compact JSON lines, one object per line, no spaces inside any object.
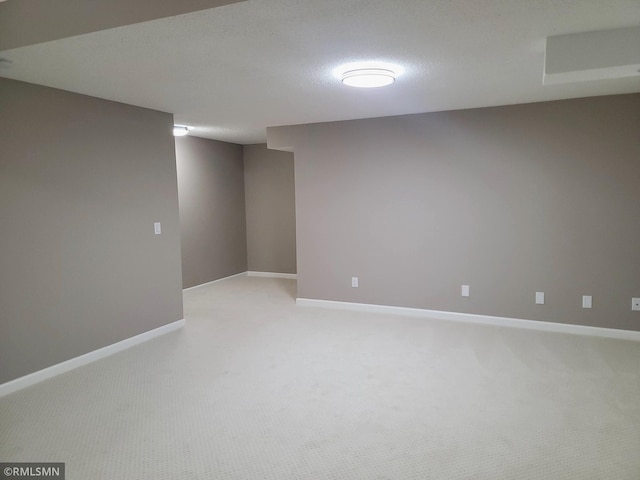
{"x":244,"y":274}
{"x":241,"y":274}
{"x":273,"y":275}
{"x":477,"y":319}
{"x":73,"y":363}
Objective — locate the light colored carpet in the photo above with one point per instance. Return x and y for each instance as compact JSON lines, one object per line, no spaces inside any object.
{"x":255,"y":388}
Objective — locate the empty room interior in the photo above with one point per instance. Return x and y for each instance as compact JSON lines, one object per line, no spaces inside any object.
{"x":320,"y":240}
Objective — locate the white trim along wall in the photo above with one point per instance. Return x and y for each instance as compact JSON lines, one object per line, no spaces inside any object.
{"x":291,"y":276}
{"x":54,"y":370}
{"x":73,"y":363}
{"x":477,"y":319}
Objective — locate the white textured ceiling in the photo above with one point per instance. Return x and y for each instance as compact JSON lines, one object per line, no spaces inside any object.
{"x":232,"y":71}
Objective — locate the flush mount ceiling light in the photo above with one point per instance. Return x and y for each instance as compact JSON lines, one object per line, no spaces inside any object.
{"x":180,"y":130}
{"x":369,"y":77}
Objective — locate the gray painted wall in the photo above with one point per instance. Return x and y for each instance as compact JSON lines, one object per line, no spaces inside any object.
{"x":212,"y":212}
{"x":510,"y":200}
{"x":82,"y":181}
{"x":271,"y":215}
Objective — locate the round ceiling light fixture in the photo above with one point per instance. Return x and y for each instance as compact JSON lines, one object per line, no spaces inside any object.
{"x":180,"y":130}
{"x":369,"y":77}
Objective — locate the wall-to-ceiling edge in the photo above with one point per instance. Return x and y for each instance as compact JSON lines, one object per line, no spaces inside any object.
{"x":50,"y":21}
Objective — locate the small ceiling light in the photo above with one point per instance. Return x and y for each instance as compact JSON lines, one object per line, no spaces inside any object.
{"x":180,"y":130}
{"x":369,"y":77}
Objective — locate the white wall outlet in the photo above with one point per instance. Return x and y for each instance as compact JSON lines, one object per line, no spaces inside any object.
{"x":157,"y":228}
{"x":464,"y":291}
{"x":354,"y":282}
{"x":587,"y":301}
{"x":539,"y":298}
{"x":635,"y":303}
